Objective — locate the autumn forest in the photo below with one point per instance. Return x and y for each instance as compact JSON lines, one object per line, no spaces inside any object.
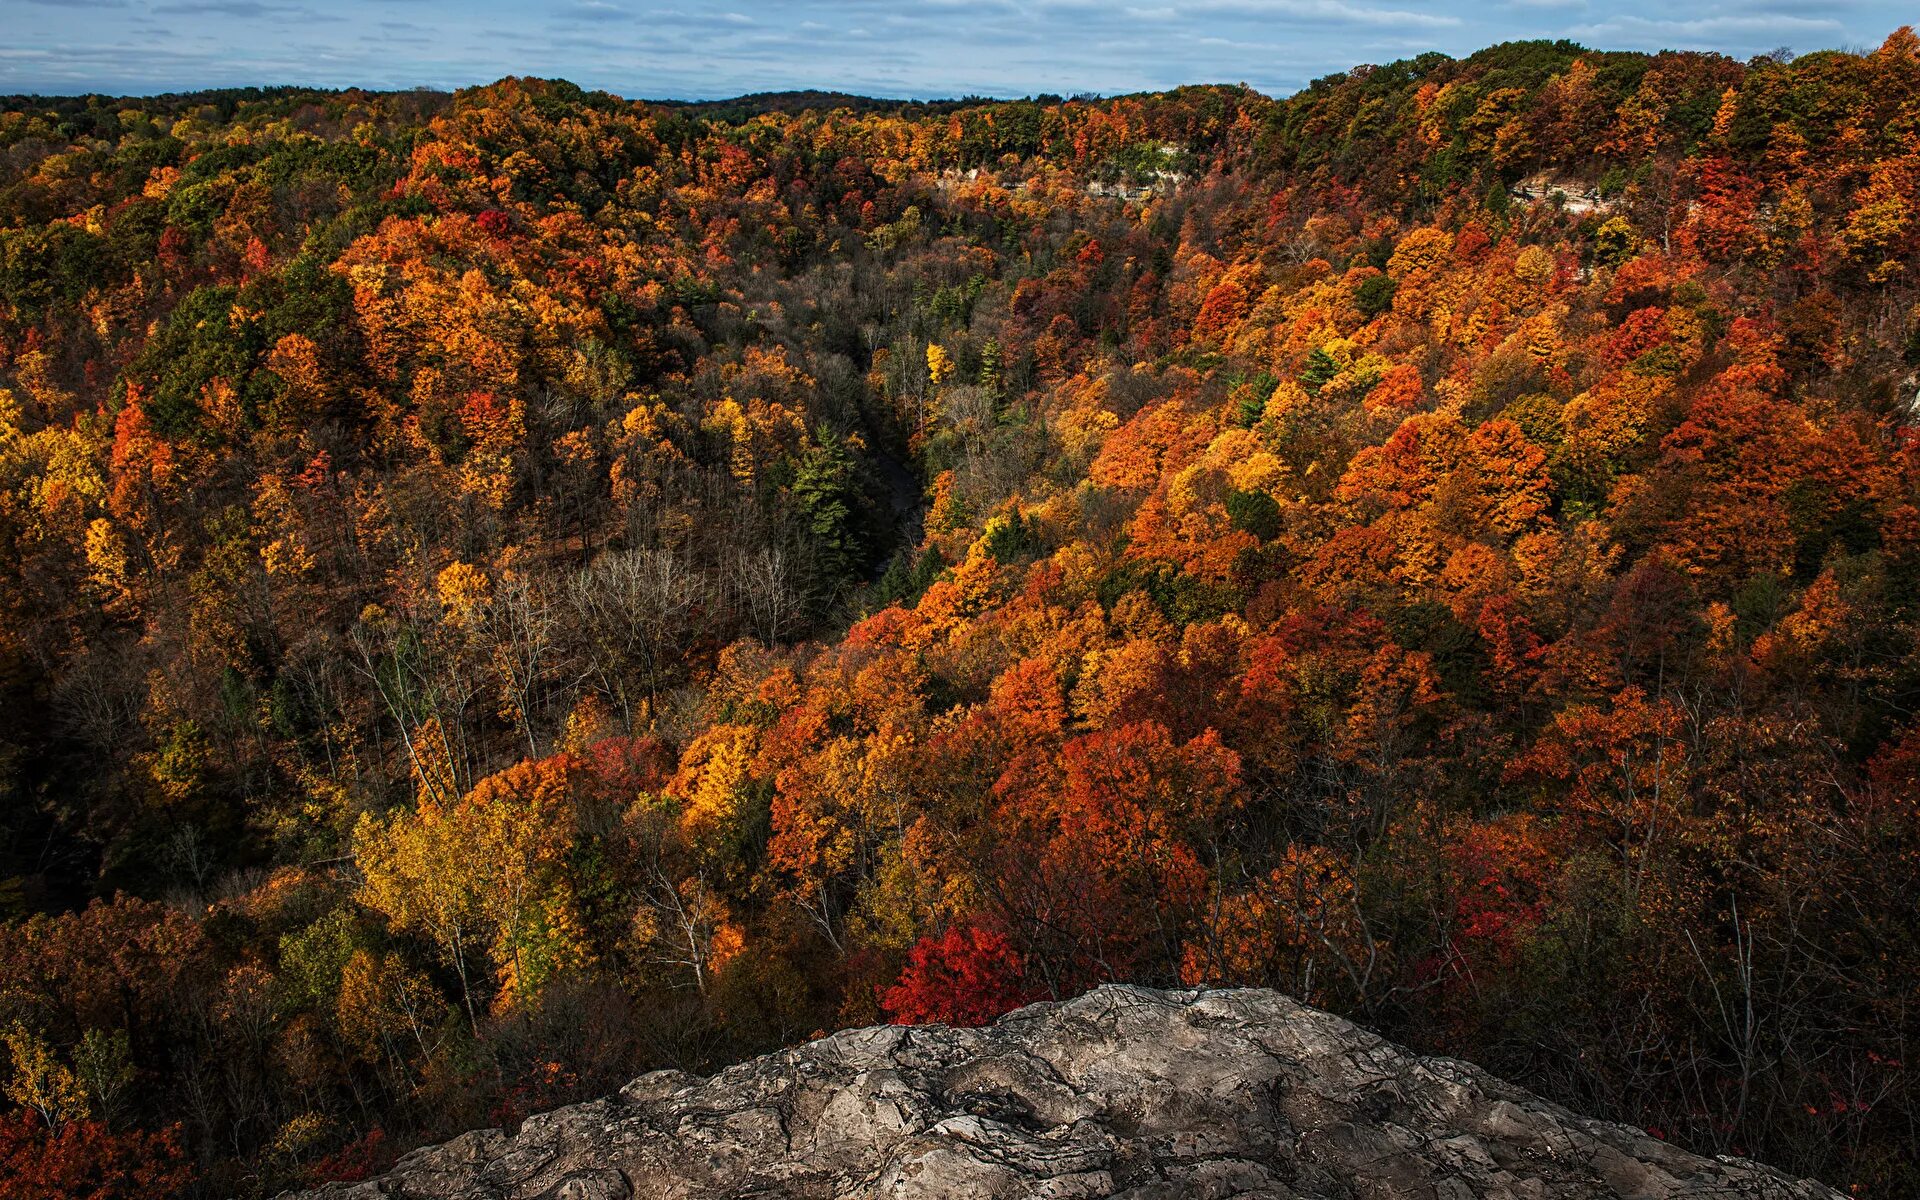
{"x":507,"y":590}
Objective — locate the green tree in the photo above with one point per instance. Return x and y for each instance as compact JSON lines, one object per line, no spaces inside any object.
{"x":825,"y":496}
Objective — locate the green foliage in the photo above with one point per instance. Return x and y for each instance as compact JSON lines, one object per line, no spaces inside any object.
{"x":1758,"y":603}
{"x":1539,"y":417}
{"x":825,"y":496}
{"x":1010,"y":538}
{"x":1143,"y":163}
{"x":1319,"y":368}
{"x":313,"y":961}
{"x":1254,"y":512}
{"x":1375,"y":295}
{"x":218,"y":336}
{"x":103,"y":1062}
{"x":1615,"y":242}
{"x":42,"y":268}
{"x":949,"y":306}
{"x":992,"y":373}
{"x":907,"y":577}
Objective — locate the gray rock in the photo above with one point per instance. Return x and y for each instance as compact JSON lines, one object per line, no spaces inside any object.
{"x":1124,"y":1092}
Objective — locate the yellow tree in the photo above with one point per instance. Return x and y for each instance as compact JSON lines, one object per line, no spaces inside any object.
{"x":939,"y":364}
{"x":417,"y":875}
{"x":482,"y":872}
{"x":40,"y":1080}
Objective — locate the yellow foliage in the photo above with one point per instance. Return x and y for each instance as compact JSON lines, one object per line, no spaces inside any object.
{"x":301,"y":1135}
{"x":548,"y":941}
{"x":1082,"y":430}
{"x":1880,"y":216}
{"x":588,"y":722}
{"x":464,"y":592}
{"x":713,"y":771}
{"x":107,"y":561}
{"x":285,"y":552}
{"x":40,"y":1081}
{"x":1422,"y":250}
{"x":914,"y":888}
{"x":382,"y":998}
{"x":1534,"y":266}
{"x":940,"y":365}
{"x":482,"y":872}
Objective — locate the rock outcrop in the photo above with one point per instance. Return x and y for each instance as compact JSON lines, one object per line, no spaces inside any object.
{"x":1123,"y":1092}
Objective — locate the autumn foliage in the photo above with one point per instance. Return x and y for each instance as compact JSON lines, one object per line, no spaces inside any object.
{"x":964,"y":977}
{"x":505,"y":591}
{"x":83,"y":1160}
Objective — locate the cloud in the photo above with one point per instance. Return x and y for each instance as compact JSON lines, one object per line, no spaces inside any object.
{"x":1727,"y":32}
{"x":676,"y":16}
{"x":593,"y":11}
{"x":1324,"y":12}
{"x":930,"y":48}
{"x":244,"y":9}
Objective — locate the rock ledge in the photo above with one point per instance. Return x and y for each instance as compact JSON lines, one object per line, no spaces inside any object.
{"x":1123,"y":1092}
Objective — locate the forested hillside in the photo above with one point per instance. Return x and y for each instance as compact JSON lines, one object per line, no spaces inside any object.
{"x":508,"y":590}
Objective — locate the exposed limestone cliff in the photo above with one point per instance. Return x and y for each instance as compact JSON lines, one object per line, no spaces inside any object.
{"x":1122,"y":1092}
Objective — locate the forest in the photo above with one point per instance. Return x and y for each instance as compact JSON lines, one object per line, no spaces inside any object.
{"x":504,"y":591}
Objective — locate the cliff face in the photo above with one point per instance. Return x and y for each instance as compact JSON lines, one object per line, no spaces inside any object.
{"x":1122,"y":1092}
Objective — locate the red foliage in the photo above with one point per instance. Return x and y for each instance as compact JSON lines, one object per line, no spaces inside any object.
{"x":1399,"y":390}
{"x":1224,"y":305}
{"x":541,"y":1086}
{"x":969,"y":976}
{"x":1500,"y":871}
{"x":84,"y":1160}
{"x":354,"y":1161}
{"x":106,"y":965}
{"x":1640,"y":332}
{"x":174,"y":246}
{"x":628,"y":764}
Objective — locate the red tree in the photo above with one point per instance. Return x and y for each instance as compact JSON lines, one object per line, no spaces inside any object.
{"x":967,"y":977}
{"x":84,"y":1160}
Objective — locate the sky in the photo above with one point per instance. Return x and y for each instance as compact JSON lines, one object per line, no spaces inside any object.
{"x":682,"y":49}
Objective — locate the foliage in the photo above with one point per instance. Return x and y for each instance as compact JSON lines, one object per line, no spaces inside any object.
{"x":506,"y":590}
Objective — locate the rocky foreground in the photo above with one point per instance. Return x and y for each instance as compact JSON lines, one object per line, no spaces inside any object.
{"x":1124,"y":1092}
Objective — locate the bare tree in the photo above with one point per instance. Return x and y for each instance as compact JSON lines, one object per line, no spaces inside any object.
{"x":637,"y":610}
{"x":766,"y":587}
{"x":523,"y":629}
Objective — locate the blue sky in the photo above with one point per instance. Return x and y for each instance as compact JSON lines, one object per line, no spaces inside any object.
{"x":685,"y":49}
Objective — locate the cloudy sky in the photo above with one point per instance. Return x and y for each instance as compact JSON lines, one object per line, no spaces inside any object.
{"x":688,"y":49}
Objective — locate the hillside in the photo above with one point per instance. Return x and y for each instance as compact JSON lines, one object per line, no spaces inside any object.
{"x":1121,"y":1092}
{"x":505,"y":591}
